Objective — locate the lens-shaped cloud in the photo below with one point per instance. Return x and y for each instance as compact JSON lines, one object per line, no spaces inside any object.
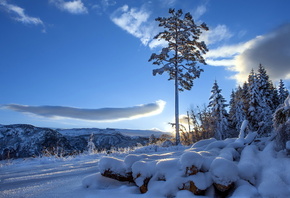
{"x":101,"y":115}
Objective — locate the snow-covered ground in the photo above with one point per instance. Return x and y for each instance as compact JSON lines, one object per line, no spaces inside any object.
{"x":255,"y":169}
{"x":46,"y":177}
{"x":50,"y":177}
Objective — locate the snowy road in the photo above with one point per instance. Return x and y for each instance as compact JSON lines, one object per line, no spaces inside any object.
{"x":62,"y":178}
{"x":46,"y":179}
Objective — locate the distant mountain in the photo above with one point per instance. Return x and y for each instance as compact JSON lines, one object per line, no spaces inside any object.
{"x":128,"y":132}
{"x":22,"y":140}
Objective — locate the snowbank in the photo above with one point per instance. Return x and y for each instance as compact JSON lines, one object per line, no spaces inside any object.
{"x":230,"y":168}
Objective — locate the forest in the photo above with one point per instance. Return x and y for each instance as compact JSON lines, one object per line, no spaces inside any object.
{"x":256,"y":101}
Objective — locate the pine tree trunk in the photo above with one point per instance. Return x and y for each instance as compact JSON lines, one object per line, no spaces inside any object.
{"x":176,"y":108}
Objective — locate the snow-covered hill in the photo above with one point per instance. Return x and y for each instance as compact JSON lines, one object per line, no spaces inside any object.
{"x":128,"y":132}
{"x":21,"y":140}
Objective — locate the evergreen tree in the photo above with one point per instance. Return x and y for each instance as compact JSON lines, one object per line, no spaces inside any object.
{"x":91,"y":145}
{"x":179,"y":58}
{"x":282,"y":92}
{"x":255,"y":101}
{"x":281,"y":123}
{"x":217,"y":105}
{"x":267,"y":89}
{"x":232,"y":112}
{"x":244,"y":97}
{"x":275,"y":99}
{"x":237,"y":112}
{"x":259,"y":111}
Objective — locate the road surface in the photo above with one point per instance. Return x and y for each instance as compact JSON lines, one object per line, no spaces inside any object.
{"x":46,"y":179}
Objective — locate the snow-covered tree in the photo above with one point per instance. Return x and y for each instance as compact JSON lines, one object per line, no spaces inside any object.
{"x":282,"y":92}
{"x":237,"y":108}
{"x":152,"y":139}
{"x":183,"y":52}
{"x":91,"y":145}
{"x":259,"y":111}
{"x":267,"y":89}
{"x":232,"y":112}
{"x":217,"y":104}
{"x":281,"y":123}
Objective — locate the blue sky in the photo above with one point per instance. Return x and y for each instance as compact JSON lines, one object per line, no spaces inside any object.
{"x":84,"y":63}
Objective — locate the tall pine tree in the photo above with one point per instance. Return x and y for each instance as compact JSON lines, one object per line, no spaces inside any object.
{"x":183,"y":52}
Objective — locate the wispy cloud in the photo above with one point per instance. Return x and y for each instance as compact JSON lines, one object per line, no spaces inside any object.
{"x":73,"y":7}
{"x":99,"y":115}
{"x":167,"y":3}
{"x":216,"y":34}
{"x":199,"y":11}
{"x":135,"y":22}
{"x":19,"y":14}
{"x":101,"y":6}
{"x":272,"y":50}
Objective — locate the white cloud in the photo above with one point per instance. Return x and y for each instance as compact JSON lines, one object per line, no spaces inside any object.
{"x":272,"y":50}
{"x":199,"y":11}
{"x":217,"y":34}
{"x":135,"y":22}
{"x":98,"y":115}
{"x":73,"y":7}
{"x":19,"y":14}
{"x":107,"y":3}
{"x":167,"y":3}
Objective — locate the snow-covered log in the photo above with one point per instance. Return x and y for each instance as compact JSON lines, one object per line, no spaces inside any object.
{"x":224,"y":173}
{"x":115,"y":169}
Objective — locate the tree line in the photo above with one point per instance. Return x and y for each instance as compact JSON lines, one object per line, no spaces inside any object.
{"x":255,"y":101}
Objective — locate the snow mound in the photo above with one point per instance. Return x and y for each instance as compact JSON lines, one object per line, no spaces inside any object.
{"x":202,"y":180}
{"x":191,"y":158}
{"x":248,"y":165}
{"x":203,"y":143}
{"x":130,"y":160}
{"x":112,"y":164}
{"x":224,"y":171}
{"x":97,"y":181}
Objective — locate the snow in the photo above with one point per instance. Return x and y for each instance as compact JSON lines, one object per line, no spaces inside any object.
{"x":191,"y":158}
{"x":97,"y":181}
{"x":167,"y":168}
{"x":202,"y":180}
{"x":243,"y":128}
{"x":144,"y":169}
{"x":224,"y":171}
{"x":288,"y":145}
{"x":247,"y":166}
{"x":256,"y":170}
{"x":113,"y":164}
{"x":203,"y":143}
